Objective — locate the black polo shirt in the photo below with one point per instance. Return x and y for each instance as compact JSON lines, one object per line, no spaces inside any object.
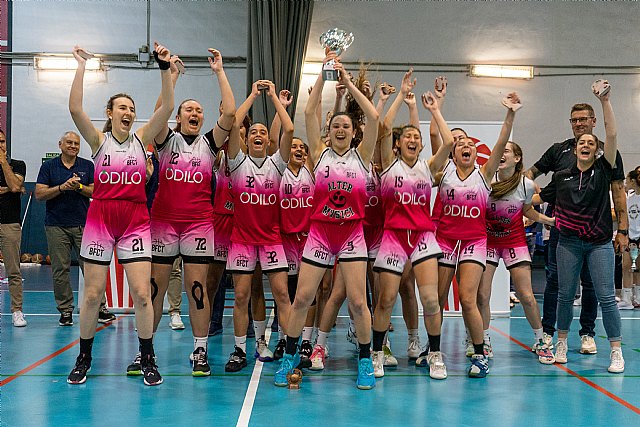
{"x":68,"y":209}
{"x":10,"y":202}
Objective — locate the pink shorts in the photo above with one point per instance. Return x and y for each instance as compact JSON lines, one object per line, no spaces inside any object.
{"x":328,"y":241}
{"x":398,"y":246}
{"x":458,"y":251}
{"x":116,"y":224}
{"x":222,"y":226}
{"x":293,"y":245}
{"x":373,"y":239}
{"x":244,"y":258}
{"x":512,"y":257}
{"x":193,"y":240}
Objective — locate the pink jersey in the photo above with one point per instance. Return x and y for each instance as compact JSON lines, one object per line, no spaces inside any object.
{"x":256,"y":194}
{"x":223,"y":200}
{"x":184,"y":188}
{"x":505,"y":228}
{"x":464,"y":203}
{"x":296,"y":201}
{"x":406,"y":196}
{"x":120,"y":170}
{"x":373,"y":212}
{"x":340,"y":187}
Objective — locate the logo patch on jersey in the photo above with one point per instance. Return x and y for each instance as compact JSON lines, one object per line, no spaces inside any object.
{"x":471,"y":196}
{"x":268,"y":184}
{"x":305,"y":189}
{"x":131,"y":161}
{"x":512,"y":209}
{"x":119,"y":177}
{"x":196,"y":162}
{"x":422,"y":185}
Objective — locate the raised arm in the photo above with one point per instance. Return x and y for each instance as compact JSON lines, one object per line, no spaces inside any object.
{"x":175,"y":73}
{"x":386,"y":147}
{"x":241,"y":113}
{"x":414,"y":117}
{"x":224,"y":123}
{"x":513,"y":104}
{"x":159,"y":119}
{"x":285,"y":120}
{"x":285,"y":98}
{"x":440,"y":92}
{"x":310,"y":119}
{"x":437,"y":160}
{"x":386,"y":90}
{"x":81,"y":119}
{"x":602,"y":90}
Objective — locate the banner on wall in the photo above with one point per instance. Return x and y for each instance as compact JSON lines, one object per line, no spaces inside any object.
{"x":485,"y":134}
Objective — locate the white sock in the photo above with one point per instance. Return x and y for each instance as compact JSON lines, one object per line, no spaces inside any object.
{"x":322,"y":338}
{"x":413,"y":333}
{"x":538,"y":334}
{"x":241,"y":343}
{"x":307,"y":332}
{"x":626,"y":294}
{"x":200,"y":342}
{"x":259,"y":326}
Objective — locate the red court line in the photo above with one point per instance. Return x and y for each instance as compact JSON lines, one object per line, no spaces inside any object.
{"x":51,"y":356}
{"x":576,"y":375}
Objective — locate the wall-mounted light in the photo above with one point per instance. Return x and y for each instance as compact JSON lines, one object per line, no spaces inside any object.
{"x":61,"y":63}
{"x":503,"y":71}
{"x":312,"y":68}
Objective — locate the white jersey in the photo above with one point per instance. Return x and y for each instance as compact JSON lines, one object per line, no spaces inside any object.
{"x":633,"y":207}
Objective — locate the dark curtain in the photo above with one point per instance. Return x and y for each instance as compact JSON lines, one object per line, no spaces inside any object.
{"x":278,"y":33}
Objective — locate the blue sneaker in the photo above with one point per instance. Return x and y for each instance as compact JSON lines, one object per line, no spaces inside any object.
{"x":287,"y":364}
{"x":365,"y":380}
{"x":479,"y":366}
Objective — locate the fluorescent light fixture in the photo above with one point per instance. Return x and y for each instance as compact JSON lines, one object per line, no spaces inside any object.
{"x":503,"y":71}
{"x":312,"y":68}
{"x":58,"y":63}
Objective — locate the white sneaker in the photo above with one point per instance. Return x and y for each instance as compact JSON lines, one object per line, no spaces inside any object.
{"x":468,"y":347}
{"x":175,"y":321}
{"x":488,"y":350}
{"x":626,"y":302}
{"x":389,"y":359}
{"x":437,"y":368}
{"x":617,"y":361}
{"x":377,"y":358}
{"x":413,"y":349}
{"x":317,"y":357}
{"x":588,"y":345}
{"x":548,"y":340}
{"x":578,"y":301}
{"x":263,"y":353}
{"x":625,"y":305}
{"x":561,"y":351}
{"x":18,"y":319}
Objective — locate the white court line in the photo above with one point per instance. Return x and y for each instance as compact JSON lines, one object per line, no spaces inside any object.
{"x":250,"y":396}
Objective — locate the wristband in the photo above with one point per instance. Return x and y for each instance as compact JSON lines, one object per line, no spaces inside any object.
{"x":226,"y":130}
{"x":623,"y":232}
{"x":162,"y":64}
{"x":79,"y":189}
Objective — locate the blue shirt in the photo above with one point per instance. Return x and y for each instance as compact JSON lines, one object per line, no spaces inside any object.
{"x":69,"y":209}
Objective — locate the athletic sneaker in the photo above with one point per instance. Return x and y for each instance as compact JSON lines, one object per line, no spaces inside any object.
{"x":18,"y":320}
{"x":561,"y":351}
{"x":377,"y":360}
{"x":317,"y":357}
{"x":150,"y":370}
{"x":625,"y":305}
{"x":366,"y":380}
{"x":305,"y":351}
{"x":105,"y":316}
{"x":352,"y":337}
{"x":134,"y":368}
{"x":175,"y":321}
{"x":390,"y":360}
{"x":263,"y":353}
{"x":548,"y":340}
{"x":280,"y":348}
{"x":545,"y":356}
{"x":617,"y":361}
{"x":413,"y":348}
{"x":468,"y":347}
{"x":479,"y":366}
{"x":588,"y":345}
{"x":66,"y":319}
{"x":237,"y":360}
{"x":488,"y":350}
{"x":287,"y":364}
{"x":421,"y":361}
{"x":200,"y":363}
{"x":78,"y":374}
{"x":437,"y":368}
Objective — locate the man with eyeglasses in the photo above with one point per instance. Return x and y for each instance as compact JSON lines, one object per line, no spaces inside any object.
{"x":561,"y":156}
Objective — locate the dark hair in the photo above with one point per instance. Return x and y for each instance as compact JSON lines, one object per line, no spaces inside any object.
{"x":502,"y":188}
{"x":461,"y":130}
{"x":343,"y":113}
{"x":107,"y":125}
{"x":634,"y":175}
{"x":583,"y":107}
{"x":178,"y":128}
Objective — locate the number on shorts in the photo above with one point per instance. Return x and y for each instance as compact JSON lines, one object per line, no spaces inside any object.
{"x":512,"y":253}
{"x":272,"y":257}
{"x":350,"y":245}
{"x":201,"y":244}
{"x":469,"y":250}
{"x":137,"y":245}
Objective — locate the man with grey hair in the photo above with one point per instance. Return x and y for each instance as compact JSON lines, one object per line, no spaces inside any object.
{"x":66,"y":184}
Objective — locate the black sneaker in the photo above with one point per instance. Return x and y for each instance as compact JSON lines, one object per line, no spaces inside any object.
{"x":237,"y":360}
{"x":66,"y":319}
{"x":78,"y":374}
{"x":150,"y":370}
{"x":215,"y":328}
{"x":200,"y":363}
{"x":306,"y":348}
{"x":135,"y":368}
{"x":105,"y":316}
{"x":280,"y":348}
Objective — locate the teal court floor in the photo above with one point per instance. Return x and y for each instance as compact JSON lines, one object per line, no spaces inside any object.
{"x":519,"y":391}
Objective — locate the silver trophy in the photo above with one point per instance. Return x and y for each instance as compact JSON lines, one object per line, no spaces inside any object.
{"x":336,"y":40}
{"x":633,"y":251}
